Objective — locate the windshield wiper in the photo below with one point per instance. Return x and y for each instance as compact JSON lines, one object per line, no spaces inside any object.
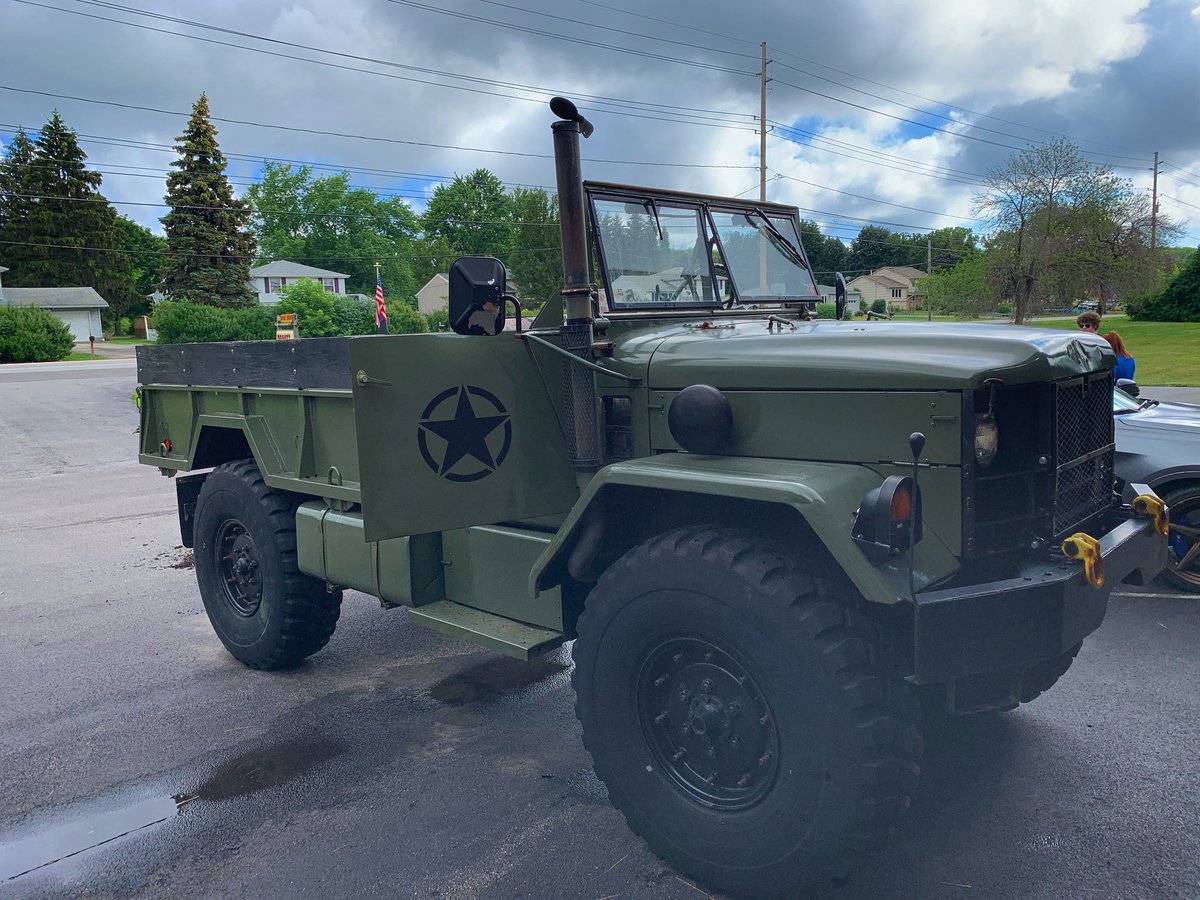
{"x":779,"y":239}
{"x":652,"y":208}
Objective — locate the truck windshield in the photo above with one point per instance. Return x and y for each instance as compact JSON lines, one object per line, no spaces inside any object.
{"x":662,"y":251}
{"x":655,"y":254}
{"x":763,"y":256}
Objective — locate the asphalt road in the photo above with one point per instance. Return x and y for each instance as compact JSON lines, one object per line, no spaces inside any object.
{"x":399,"y":763}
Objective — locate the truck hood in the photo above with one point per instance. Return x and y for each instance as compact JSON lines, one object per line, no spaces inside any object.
{"x":828,"y":355}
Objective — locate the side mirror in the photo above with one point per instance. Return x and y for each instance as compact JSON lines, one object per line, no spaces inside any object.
{"x":839,"y":294}
{"x":1129,"y":386}
{"x":477,"y":288}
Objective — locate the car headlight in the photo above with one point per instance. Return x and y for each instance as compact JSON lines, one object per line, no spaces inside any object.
{"x":987,"y":440}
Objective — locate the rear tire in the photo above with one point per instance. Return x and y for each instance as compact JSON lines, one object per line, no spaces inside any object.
{"x":798,"y":753}
{"x":266,"y":612}
{"x":1039,"y":678}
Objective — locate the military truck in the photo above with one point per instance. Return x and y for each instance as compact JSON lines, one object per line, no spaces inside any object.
{"x":776,"y":541}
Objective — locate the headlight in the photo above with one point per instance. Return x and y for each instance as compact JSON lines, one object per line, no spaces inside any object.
{"x":987,"y":440}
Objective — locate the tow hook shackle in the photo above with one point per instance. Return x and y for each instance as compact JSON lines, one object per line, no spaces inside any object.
{"x":1087,"y":548}
{"x":1148,"y":506}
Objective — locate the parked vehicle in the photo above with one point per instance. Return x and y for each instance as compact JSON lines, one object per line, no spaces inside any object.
{"x":1158,"y":443}
{"x":765,"y":533}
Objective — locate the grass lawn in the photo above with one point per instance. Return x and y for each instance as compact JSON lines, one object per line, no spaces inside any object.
{"x":1167,"y":353}
{"x":128,"y":340}
{"x":76,"y":356}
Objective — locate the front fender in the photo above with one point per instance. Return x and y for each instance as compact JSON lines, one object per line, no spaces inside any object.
{"x":826,"y":495}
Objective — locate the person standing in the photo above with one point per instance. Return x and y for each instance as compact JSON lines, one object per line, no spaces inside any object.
{"x":1125,"y":363}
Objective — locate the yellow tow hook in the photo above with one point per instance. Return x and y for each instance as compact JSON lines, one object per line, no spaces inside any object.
{"x":1085,"y":547}
{"x":1147,"y":506}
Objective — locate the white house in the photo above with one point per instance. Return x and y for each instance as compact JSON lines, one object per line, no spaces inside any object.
{"x":895,"y":284}
{"x":78,"y":307}
{"x":267,"y":280}
{"x":435,"y":295}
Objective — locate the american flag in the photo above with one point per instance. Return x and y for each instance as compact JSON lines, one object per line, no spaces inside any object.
{"x":380,"y":309}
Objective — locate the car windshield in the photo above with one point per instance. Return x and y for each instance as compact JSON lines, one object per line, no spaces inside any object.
{"x":763,"y":256}
{"x":1123,"y":403}
{"x":663,"y":252}
{"x":655,"y":254}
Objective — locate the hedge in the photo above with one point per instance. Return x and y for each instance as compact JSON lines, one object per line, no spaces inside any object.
{"x":182,"y":322}
{"x":30,"y":334}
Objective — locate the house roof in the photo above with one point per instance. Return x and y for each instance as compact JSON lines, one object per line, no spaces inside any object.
{"x":909,"y":272}
{"x":437,"y":281}
{"x":281,"y":268}
{"x":55,"y":298}
{"x":883,"y":280}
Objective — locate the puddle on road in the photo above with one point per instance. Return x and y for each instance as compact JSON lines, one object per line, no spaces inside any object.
{"x":266,"y":768}
{"x":256,"y":770}
{"x":64,"y":841}
{"x":495,"y":678}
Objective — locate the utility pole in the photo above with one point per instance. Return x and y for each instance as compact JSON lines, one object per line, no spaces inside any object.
{"x":762,"y":128}
{"x":928,"y":272}
{"x":1154,"y":206}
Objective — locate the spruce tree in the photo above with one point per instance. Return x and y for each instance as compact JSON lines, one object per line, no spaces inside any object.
{"x":61,"y":227}
{"x":207,"y":236}
{"x":15,"y":168}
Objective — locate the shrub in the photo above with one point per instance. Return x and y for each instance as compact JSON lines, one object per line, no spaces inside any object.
{"x":404,"y":319}
{"x":879,"y":306}
{"x":826,"y":310}
{"x":438,"y":320}
{"x":181,"y":322}
{"x":1179,"y":301}
{"x":30,"y":334}
{"x":312,"y":305}
{"x":353,"y":315}
{"x":1004,"y":309}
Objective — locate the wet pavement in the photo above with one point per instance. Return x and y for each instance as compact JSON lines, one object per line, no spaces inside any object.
{"x":139,"y":760}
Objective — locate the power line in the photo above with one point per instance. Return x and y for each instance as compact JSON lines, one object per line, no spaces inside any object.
{"x":877,"y":200}
{"x":628,"y":107}
{"x":575,"y":40}
{"x":808,"y":61}
{"x":172,"y":253}
{"x":361,"y":137}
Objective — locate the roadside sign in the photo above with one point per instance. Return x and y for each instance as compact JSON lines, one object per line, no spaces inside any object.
{"x":287,"y":327}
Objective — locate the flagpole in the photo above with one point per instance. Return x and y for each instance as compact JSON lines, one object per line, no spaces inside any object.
{"x":381,"y":322}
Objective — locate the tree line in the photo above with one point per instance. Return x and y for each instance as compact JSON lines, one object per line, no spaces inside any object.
{"x":1062,"y":228}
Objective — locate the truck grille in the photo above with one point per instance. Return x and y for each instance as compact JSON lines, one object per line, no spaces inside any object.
{"x":1054,"y":470}
{"x":1083,"y":441}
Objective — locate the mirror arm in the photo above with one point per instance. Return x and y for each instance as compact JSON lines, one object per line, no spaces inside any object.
{"x":509,"y":298}
{"x":530,"y":336}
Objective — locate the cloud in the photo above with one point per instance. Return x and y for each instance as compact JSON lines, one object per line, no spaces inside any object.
{"x":1118,"y":75}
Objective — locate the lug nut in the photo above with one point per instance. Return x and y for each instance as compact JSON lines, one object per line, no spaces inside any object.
{"x":687,"y":729}
{"x":679,"y":754}
{"x":711,"y":752}
{"x":735,"y":742}
{"x":677,"y":658}
{"x":765,"y":719}
{"x":661,"y":680}
{"x":765,"y":758}
{"x":744,"y":780}
{"x":660,"y":718}
{"x":706,"y":686}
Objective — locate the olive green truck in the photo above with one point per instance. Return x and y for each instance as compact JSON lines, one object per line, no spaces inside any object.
{"x":776,"y":541}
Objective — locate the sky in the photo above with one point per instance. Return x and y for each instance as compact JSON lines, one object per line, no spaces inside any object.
{"x":881,"y":112}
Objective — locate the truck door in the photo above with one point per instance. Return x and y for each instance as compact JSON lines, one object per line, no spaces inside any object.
{"x":455,"y":431}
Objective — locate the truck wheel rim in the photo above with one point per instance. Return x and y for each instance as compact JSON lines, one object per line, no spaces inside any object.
{"x":237,"y":565}
{"x":707,"y":723}
{"x":1184,"y":536}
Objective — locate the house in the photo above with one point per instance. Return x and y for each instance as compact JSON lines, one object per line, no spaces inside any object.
{"x":828,"y":294}
{"x":895,"y":284}
{"x":435,"y":295}
{"x":78,"y":307}
{"x":268,"y":279}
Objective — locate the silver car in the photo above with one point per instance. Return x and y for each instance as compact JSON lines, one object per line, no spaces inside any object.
{"x":1158,"y":444}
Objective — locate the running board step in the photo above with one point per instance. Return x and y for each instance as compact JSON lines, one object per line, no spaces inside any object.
{"x":486,"y":629}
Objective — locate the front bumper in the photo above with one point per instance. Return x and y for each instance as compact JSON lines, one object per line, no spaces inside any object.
{"x":1040,"y":614}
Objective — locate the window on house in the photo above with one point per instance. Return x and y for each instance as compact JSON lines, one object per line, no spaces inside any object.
{"x":272,"y":285}
{"x":330,"y":285}
{"x":897,"y":293}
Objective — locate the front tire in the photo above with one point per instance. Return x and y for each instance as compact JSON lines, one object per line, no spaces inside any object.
{"x":266,"y":612}
{"x":734,"y":707}
{"x":1183,"y":559}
